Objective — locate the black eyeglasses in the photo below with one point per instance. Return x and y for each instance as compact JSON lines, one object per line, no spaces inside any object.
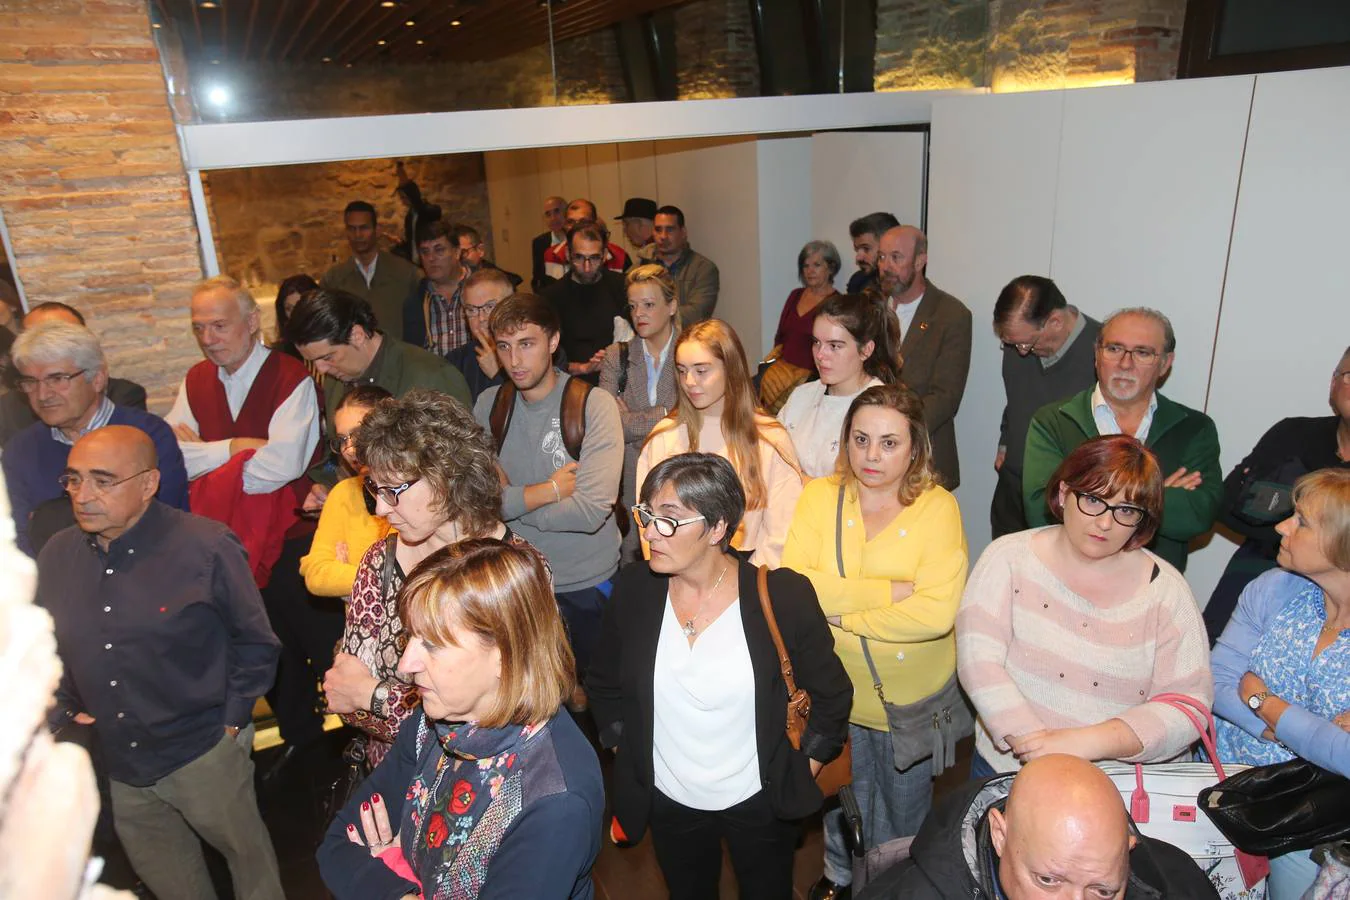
{"x":101,"y":484}
{"x":665,"y":525}
{"x":1123,"y":513}
{"x":339,"y":443}
{"x":387,"y":494}
{"x":1142,"y":356}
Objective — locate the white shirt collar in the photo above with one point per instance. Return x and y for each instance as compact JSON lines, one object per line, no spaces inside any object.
{"x":367,"y":273}
{"x":1105,"y":417}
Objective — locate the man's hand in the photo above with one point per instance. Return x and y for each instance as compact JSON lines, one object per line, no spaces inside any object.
{"x":83,"y":718}
{"x":348,"y":685}
{"x":185,"y":434}
{"x":1187,"y":481}
{"x":566,"y":480}
{"x":232,"y":730}
{"x":486,"y":352}
{"x":999,"y":457}
{"x":588,"y":367}
{"x":239,"y":445}
{"x":315,"y":499}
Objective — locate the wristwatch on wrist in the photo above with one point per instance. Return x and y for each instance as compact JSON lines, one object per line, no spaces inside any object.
{"x":1255,"y":701}
{"x":379,"y":700}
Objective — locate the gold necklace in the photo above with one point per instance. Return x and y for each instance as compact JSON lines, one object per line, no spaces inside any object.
{"x":688,"y":627}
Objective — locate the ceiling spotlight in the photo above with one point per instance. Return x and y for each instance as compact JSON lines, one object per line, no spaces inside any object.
{"x":328,"y":59}
{"x":388,"y":4}
{"x":410,"y":23}
{"x":156,"y":25}
{"x":209,"y":4}
{"x":381,"y":42}
{"x":218,"y":96}
{"x":420,"y":43}
{"x":455,"y":23}
{"x":349,"y":65}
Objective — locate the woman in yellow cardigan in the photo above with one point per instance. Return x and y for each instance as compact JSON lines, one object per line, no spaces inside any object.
{"x":348,"y":524}
{"x":883,"y":546}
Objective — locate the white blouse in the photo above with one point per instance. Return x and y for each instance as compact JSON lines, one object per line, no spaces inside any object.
{"x":704,"y":753}
{"x":815,"y":420}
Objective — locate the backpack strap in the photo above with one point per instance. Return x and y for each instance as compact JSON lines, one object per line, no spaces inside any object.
{"x":503,"y":405}
{"x":623,"y":367}
{"x":572,"y":415}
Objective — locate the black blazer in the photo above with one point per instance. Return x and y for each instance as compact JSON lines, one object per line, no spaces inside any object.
{"x":538,"y":247}
{"x":619,"y":686}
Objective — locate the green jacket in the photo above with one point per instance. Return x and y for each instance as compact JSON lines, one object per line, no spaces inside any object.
{"x":1179,"y":435}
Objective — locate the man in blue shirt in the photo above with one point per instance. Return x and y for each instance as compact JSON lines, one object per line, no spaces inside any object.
{"x":63,"y":372}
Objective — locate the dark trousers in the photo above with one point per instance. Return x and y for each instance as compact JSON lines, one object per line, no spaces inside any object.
{"x":581,"y":612}
{"x":309,"y":628}
{"x":1006,"y":513}
{"x":688,"y":844}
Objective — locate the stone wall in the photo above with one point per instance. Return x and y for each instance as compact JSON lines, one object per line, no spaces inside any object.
{"x":276,"y":221}
{"x":1025,"y":44}
{"x":715,"y":50}
{"x":92,"y":187}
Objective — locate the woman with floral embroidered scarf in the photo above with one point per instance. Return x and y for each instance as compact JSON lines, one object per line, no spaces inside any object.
{"x":491,"y":792}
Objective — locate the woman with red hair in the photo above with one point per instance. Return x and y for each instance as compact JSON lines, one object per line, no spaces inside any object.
{"x":1066,"y":632}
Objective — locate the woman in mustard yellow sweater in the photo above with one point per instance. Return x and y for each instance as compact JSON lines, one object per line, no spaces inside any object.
{"x":883,"y":546}
{"x":348,"y":524}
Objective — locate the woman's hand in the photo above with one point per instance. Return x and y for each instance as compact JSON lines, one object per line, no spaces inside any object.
{"x":375,"y":834}
{"x":348,"y":685}
{"x":1250,"y":684}
{"x":1112,"y":739}
{"x":901,"y":590}
{"x":1342,"y":721}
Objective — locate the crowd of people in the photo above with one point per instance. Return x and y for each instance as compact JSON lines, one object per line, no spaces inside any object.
{"x":465,"y":517}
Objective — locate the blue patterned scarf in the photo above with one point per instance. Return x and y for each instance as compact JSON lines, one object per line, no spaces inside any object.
{"x":460,"y":804}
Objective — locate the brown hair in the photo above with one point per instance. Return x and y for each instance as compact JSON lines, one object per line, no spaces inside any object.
{"x":1110,"y":465}
{"x":741,"y":426}
{"x":519,"y":310}
{"x":921,"y":475}
{"x":1324,"y":497}
{"x":428,"y":435}
{"x":502,"y":594}
{"x":866,"y":317}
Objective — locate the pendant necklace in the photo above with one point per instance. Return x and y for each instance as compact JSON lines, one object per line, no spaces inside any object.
{"x":688,"y":627}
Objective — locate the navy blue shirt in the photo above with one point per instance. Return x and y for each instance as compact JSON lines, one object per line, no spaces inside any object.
{"x":163,"y":638}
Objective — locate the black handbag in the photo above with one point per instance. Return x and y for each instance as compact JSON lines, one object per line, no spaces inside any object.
{"x":929,"y":727}
{"x":355,"y":770}
{"x":1280,"y":808}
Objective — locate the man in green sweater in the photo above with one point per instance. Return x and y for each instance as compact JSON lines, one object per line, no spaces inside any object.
{"x":1134,"y":352}
{"x":338,"y":334}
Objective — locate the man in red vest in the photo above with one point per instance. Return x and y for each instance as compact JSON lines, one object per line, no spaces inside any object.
{"x":248,"y":421}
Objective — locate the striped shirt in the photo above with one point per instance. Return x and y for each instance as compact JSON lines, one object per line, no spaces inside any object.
{"x":1032,"y":654}
{"x":101,"y":418}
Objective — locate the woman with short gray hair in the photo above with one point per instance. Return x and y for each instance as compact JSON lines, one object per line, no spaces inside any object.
{"x":790,"y":361}
{"x":686,"y":686}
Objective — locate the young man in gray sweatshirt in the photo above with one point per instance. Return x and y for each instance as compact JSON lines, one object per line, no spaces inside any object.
{"x":564,"y":507}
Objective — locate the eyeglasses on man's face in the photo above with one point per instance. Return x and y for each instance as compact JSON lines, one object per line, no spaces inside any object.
{"x":666,"y":526}
{"x":388,"y":493}
{"x":1025,"y":347}
{"x":100,"y":483}
{"x":1142,"y":356}
{"x":57,"y":381}
{"x":1124,"y":513}
{"x":339,"y":443}
{"x":473,"y":312}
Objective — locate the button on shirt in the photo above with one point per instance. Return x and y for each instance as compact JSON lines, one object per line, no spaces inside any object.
{"x":163,"y":639}
{"x":1105,"y":417}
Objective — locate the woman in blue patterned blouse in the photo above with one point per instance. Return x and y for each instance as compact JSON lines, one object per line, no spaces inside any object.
{"x":1282,"y":666}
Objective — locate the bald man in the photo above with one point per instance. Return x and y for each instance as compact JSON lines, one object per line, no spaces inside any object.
{"x":165,"y":648}
{"x":935,"y":340}
{"x":555,"y":224}
{"x":1058,"y":829}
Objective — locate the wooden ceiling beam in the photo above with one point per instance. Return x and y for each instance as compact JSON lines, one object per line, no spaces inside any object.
{"x":406,"y":38}
{"x":248,"y":29}
{"x":299,"y":29}
{"x":305,"y":51}
{"x":278,"y":17}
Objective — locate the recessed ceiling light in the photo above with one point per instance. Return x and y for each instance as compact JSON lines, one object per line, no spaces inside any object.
{"x":455,"y":23}
{"x":156,"y":25}
{"x":328,"y":59}
{"x":349,"y":65}
{"x":420,"y":43}
{"x":381,"y":42}
{"x":410,"y":23}
{"x":208,"y":4}
{"x":389,"y":4}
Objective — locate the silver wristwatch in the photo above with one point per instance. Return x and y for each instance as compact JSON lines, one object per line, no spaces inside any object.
{"x":379,"y":700}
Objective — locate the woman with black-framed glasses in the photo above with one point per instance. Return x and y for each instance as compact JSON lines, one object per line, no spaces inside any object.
{"x":1065,"y":633}
{"x":430,"y":471}
{"x":686,"y":687}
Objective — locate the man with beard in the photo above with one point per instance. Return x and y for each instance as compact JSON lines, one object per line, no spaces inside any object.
{"x":935,"y":339}
{"x":866,"y":234}
{"x":587,"y":301}
{"x":1134,"y":353}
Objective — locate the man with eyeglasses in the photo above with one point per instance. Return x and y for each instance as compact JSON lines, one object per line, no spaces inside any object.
{"x":1134,"y":352}
{"x":588,"y":301}
{"x":165,"y":649}
{"x":935,"y":340}
{"x":1048,"y":355}
{"x":64,"y":377}
{"x":436,"y":321}
{"x":477,"y":359}
{"x":556,"y":257}
{"x":473,"y":255}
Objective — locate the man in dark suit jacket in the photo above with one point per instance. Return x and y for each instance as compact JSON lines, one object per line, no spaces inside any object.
{"x":16,"y":413}
{"x":385,"y":281}
{"x":554,"y":209}
{"x":935,"y":331}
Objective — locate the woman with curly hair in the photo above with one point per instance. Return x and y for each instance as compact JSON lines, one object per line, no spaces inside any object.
{"x":432,"y":472}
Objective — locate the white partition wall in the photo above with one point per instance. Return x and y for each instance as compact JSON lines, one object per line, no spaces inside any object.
{"x":855,"y":173}
{"x":785,"y":224}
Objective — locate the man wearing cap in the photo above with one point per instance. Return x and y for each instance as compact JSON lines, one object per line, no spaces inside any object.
{"x":638,"y":218}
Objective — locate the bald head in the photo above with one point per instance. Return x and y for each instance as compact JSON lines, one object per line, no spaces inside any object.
{"x":111,"y":477}
{"x":901,"y":262}
{"x":1064,"y":823}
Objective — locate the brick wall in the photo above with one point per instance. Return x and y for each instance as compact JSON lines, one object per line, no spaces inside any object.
{"x":715,"y":50}
{"x":93,"y":189}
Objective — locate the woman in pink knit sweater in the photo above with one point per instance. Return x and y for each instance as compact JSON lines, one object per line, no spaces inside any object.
{"x":1066,"y":632}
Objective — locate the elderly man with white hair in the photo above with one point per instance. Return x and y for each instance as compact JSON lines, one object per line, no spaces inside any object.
{"x":248,"y":420}
{"x":64,"y":375}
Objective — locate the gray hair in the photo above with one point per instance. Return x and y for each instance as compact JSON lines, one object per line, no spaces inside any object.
{"x":1169,"y":336}
{"x":704,"y":482}
{"x":245,"y":300}
{"x":828,"y":252}
{"x":57,"y":342}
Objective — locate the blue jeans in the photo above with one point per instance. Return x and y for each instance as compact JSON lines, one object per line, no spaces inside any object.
{"x":980,"y":768}
{"x":1291,"y":875}
{"x":581,"y":612}
{"x":893,"y":803}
